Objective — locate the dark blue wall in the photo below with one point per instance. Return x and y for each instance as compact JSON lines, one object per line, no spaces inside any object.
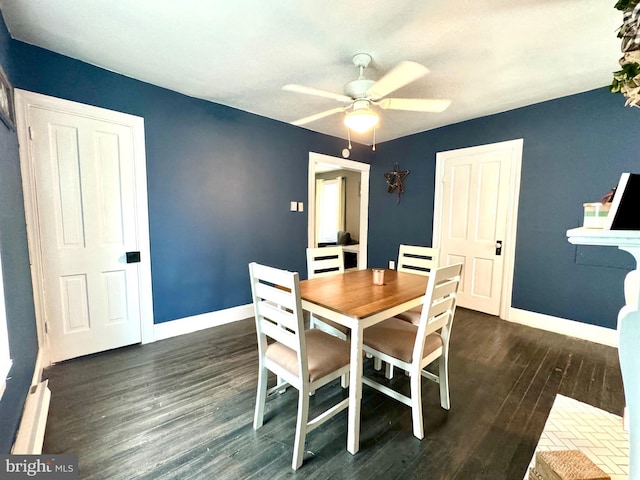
{"x":16,"y":275}
{"x":219,"y":180}
{"x":575,"y":149}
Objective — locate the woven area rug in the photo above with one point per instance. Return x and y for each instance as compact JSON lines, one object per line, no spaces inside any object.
{"x":600,"y":435}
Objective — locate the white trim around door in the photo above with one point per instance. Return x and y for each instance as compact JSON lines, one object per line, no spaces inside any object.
{"x":512,"y":216}
{"x":23,"y":101}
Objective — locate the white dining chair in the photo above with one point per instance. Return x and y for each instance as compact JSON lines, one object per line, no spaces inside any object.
{"x":412,"y":259}
{"x":305,"y":360}
{"x":324,"y":261}
{"x":418,"y":260}
{"x":413,"y":347}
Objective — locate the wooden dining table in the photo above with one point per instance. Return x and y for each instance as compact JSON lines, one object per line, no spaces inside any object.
{"x":353,"y":300}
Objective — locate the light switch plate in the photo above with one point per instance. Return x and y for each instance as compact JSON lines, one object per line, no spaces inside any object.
{"x":294,"y":206}
{"x":300,"y":207}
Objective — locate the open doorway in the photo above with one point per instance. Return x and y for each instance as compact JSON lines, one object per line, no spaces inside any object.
{"x":344,"y":184}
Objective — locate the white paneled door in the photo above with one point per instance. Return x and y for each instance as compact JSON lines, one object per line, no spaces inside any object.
{"x":89,"y":230}
{"x":475,"y":207}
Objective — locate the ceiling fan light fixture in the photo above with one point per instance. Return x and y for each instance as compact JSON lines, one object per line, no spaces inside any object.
{"x":361,"y":120}
{"x":361,"y":94}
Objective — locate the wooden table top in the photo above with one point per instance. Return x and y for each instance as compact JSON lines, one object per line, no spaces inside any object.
{"x":354,"y":294}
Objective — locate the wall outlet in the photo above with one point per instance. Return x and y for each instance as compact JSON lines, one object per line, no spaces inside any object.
{"x":392,"y":265}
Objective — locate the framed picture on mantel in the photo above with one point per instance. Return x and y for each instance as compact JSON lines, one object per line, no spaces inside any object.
{"x":624,"y":213}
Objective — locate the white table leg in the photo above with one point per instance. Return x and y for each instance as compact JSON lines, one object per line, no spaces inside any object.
{"x":355,"y":391}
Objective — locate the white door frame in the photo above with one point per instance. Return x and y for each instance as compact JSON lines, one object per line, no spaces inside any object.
{"x":24,"y":100}
{"x":509,"y":250}
{"x":363,"y":168}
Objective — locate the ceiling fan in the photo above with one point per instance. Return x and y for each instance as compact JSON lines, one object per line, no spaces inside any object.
{"x":361,"y":94}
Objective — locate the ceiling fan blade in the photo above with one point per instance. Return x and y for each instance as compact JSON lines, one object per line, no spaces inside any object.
{"x":318,"y":116}
{"x":415,"y":104}
{"x":402,"y":74}
{"x":317,"y":92}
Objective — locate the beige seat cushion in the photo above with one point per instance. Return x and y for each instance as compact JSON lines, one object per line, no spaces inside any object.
{"x":337,"y":326}
{"x":325,"y":354}
{"x":411,"y":316}
{"x":397,"y":337}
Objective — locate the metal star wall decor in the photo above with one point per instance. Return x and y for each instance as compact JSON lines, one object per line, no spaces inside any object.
{"x":395,"y":180}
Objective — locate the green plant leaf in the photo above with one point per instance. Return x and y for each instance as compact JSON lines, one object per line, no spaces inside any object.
{"x":615,"y":86}
{"x":628,"y":72}
{"x":631,"y":70}
{"x":626,"y":4}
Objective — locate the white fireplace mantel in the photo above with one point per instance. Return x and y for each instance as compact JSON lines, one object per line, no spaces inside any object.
{"x":628,"y":328}
{"x":624,"y":239}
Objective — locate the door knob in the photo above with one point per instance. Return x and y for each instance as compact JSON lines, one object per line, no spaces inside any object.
{"x":133,"y":257}
{"x":499,"y":247}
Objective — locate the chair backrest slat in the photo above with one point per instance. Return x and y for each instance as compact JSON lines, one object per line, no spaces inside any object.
{"x":275,"y":294}
{"x":279,"y":334}
{"x":440,"y":307}
{"x":324,"y":261}
{"x":445,"y":288}
{"x":420,"y":260}
{"x":270,"y":312}
{"x":437,"y":323}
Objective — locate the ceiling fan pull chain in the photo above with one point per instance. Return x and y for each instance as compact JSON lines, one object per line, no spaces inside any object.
{"x":374,"y":139}
{"x":349,"y":136}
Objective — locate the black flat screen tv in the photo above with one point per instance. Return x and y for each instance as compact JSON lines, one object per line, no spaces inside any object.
{"x":624,"y":213}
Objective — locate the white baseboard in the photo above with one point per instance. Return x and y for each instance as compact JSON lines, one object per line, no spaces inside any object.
{"x":200,"y":322}
{"x":37,"y":370}
{"x":30,"y":435}
{"x":584,"y":331}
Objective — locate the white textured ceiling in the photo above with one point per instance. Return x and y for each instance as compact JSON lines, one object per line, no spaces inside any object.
{"x":487,"y":56}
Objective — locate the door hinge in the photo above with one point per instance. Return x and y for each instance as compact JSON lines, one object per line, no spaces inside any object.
{"x":30,"y":133}
{"x":46,"y":327}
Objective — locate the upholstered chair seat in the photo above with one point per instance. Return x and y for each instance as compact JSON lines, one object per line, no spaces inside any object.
{"x":325,"y":354}
{"x":411,"y":316}
{"x":397,"y":338}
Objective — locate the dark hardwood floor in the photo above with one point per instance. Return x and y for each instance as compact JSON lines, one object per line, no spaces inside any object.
{"x":182,"y":408}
